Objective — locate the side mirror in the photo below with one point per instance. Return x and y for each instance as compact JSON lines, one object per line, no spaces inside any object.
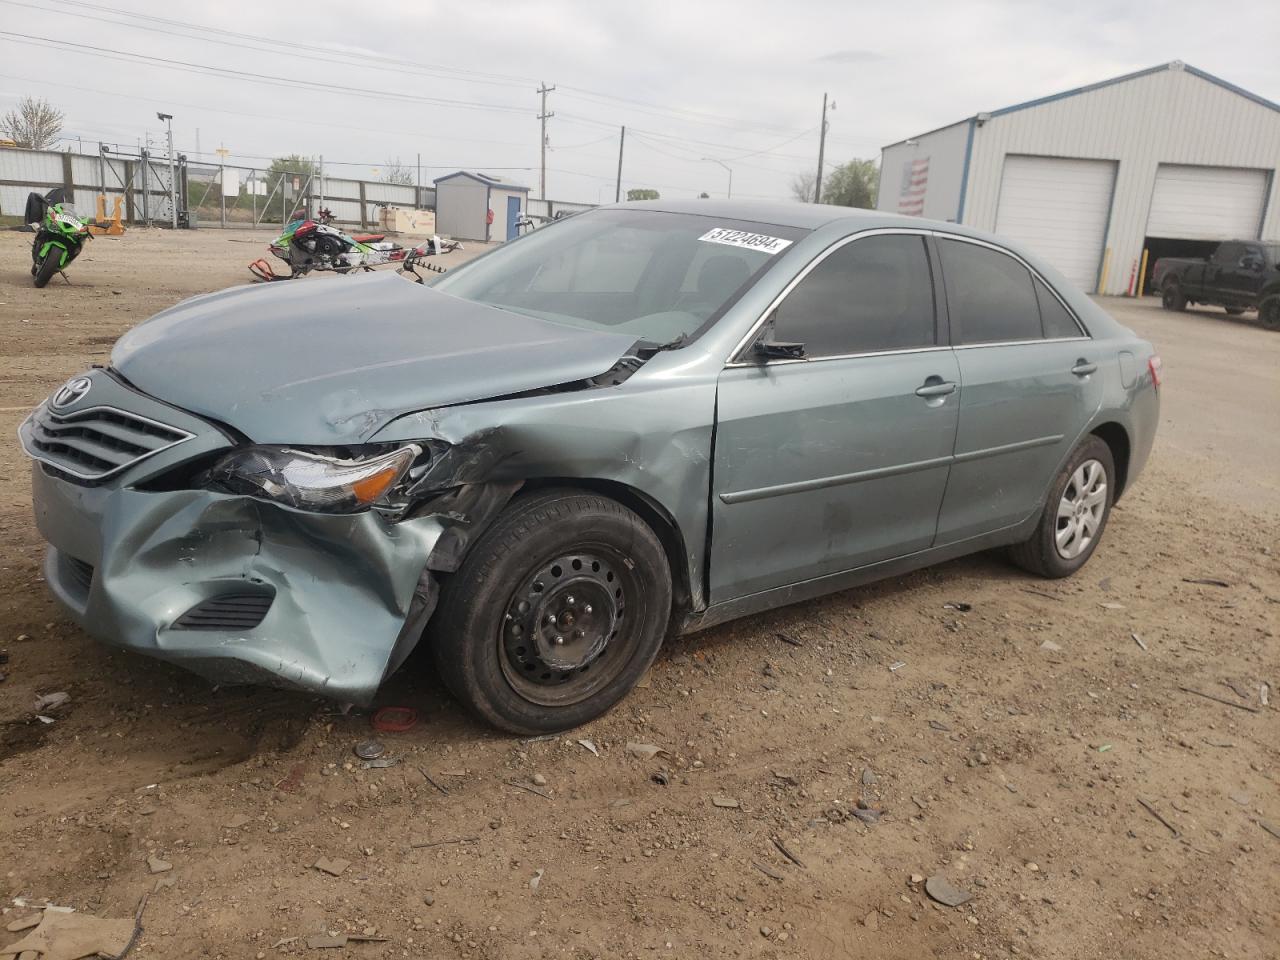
{"x":1250,"y":263}
{"x":777,"y":350}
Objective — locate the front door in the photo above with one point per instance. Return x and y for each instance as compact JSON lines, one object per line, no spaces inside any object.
{"x":1030,"y":387}
{"x":840,"y":459}
{"x":513,"y":214}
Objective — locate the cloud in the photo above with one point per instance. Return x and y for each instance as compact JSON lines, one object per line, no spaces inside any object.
{"x":850,"y":56}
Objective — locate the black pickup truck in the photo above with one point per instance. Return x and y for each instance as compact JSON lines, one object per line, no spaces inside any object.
{"x":1241,"y":275}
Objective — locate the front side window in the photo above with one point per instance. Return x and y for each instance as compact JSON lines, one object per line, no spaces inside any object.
{"x":990,"y":297}
{"x":871,"y":295}
{"x":656,"y":275}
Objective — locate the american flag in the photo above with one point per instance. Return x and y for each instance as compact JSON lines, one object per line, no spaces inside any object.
{"x":915,"y":183}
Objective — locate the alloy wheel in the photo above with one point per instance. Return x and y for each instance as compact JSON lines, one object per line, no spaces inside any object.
{"x":1081,"y":509}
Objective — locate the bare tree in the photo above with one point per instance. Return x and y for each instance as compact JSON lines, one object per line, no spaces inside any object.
{"x":35,"y":124}
{"x":802,"y":187}
{"x":396,"y":172}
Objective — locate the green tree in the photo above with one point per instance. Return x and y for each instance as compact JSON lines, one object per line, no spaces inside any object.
{"x":643,"y":193}
{"x":852,"y":184}
{"x":802,"y":187}
{"x":288,"y":169}
{"x":704,"y":195}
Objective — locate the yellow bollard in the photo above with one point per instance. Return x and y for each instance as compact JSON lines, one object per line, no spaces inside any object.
{"x":1106,"y":267}
{"x":1142,"y":272}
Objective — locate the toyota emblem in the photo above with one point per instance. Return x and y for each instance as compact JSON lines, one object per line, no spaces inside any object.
{"x":72,"y":391}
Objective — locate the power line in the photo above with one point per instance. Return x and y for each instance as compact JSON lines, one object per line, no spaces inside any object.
{"x":287,"y":82}
{"x":370,"y":60}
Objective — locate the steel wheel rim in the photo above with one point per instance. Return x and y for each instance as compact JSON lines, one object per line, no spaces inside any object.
{"x":1168,"y":296}
{"x":568,"y":624}
{"x":1081,"y":510}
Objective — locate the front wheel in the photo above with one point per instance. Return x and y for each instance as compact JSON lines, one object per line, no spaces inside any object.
{"x":1075,"y":514}
{"x":555,"y":614}
{"x":47,"y":267}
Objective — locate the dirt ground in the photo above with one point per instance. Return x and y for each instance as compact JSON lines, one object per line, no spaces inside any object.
{"x":1009,"y":753}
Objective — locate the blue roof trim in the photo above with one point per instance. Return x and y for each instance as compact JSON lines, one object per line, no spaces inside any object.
{"x":500,"y":184}
{"x":1194,"y":71}
{"x":1262,"y":101}
{"x":1078,"y":90}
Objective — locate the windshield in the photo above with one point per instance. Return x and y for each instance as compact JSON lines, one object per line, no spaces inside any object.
{"x":660,"y":276}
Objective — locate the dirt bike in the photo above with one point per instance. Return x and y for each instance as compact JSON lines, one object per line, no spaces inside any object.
{"x":59,"y":237}
{"x":315,"y":244}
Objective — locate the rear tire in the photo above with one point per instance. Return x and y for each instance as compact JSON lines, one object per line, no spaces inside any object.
{"x":1171,"y":297}
{"x":1269,"y":313}
{"x":557,"y":611}
{"x":48,"y":266}
{"x":1075,"y":514}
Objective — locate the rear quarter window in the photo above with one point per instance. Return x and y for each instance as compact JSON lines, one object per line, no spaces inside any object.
{"x":990,"y":297}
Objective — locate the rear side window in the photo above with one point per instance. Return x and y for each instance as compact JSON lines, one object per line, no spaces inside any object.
{"x":1054,"y":317}
{"x":990,"y":298}
{"x":870,"y":295}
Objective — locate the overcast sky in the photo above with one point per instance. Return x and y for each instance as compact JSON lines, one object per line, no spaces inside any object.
{"x":738,"y":81}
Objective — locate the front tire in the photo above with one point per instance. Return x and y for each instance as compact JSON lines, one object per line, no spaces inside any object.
{"x":556,"y":613}
{"x":1075,"y":514}
{"x":48,"y":266}
{"x":1171,"y":297}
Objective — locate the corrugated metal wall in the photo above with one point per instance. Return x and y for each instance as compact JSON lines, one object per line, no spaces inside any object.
{"x":460,"y":208}
{"x":944,"y":151}
{"x":1170,"y":116}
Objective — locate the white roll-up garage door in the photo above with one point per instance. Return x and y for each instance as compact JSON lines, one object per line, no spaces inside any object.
{"x":1207,"y":203}
{"x":1058,"y":208}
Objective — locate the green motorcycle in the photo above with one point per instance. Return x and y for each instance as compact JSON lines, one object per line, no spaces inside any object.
{"x":59,"y":237}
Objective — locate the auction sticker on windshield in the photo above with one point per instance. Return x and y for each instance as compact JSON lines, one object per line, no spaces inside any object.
{"x":748,"y":241}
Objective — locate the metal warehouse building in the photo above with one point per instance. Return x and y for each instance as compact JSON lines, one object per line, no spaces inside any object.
{"x":1167,"y":160}
{"x":477,"y":206}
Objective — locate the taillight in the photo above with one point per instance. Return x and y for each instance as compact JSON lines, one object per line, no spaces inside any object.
{"x":1154,"y":366}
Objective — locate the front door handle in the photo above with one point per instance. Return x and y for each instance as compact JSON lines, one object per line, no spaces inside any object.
{"x":1083,"y":368}
{"x":936,"y":387}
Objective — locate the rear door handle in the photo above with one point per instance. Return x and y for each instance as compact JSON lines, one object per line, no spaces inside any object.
{"x":935,"y":387}
{"x":1083,"y":368}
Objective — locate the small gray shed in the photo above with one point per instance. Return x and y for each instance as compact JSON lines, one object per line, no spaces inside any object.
{"x":478,"y":206}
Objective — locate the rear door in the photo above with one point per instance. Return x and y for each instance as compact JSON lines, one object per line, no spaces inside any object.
{"x":1029,"y":386}
{"x":1219,"y":276}
{"x":838,"y":460}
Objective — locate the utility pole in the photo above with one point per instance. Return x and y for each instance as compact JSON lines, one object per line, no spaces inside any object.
{"x":729,"y":194}
{"x":544,"y":115}
{"x":617,"y":190}
{"x":167,"y":119}
{"x":822,"y":146}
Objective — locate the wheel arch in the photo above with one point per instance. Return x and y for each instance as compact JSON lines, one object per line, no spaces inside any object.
{"x":1116,"y":437}
{"x":656,"y":516}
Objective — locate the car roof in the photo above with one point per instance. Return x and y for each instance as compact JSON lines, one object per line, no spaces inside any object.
{"x":804,"y":216}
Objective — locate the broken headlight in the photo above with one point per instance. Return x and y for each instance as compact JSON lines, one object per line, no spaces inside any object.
{"x":309,"y":480}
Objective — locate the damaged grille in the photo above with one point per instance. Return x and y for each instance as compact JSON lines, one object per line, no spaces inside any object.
{"x":91,"y":445}
{"x":230,"y":611}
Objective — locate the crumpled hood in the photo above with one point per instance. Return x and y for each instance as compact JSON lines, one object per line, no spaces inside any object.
{"x":333,"y":361}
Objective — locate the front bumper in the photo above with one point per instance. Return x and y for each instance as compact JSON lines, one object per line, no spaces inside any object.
{"x":348,"y":595}
{"x":234,"y":588}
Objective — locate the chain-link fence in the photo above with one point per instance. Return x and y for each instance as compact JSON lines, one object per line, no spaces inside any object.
{"x":144,"y":187}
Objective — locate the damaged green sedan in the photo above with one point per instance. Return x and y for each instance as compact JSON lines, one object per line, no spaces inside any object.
{"x":639,"y":421}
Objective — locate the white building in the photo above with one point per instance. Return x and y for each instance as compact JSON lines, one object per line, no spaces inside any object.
{"x":1168,"y":160}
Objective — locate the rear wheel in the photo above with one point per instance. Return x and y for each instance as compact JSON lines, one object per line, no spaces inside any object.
{"x":48,"y":266}
{"x":555,"y":614}
{"x":1075,"y":514}
{"x":1171,"y":297}
{"x":1269,"y":313}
